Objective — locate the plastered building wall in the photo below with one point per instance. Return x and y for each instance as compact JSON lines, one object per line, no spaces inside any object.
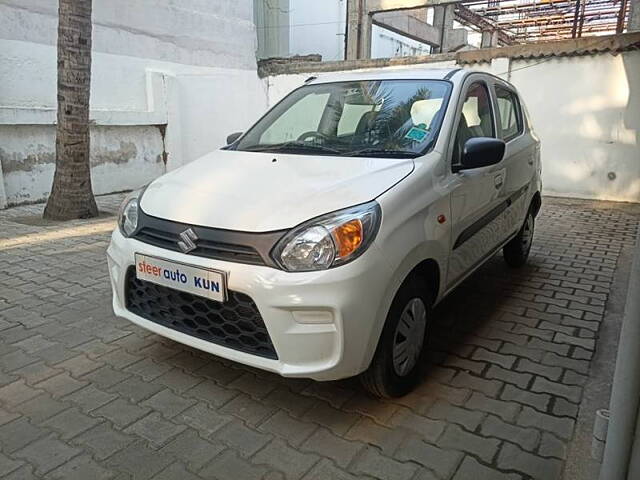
{"x":170,"y":80}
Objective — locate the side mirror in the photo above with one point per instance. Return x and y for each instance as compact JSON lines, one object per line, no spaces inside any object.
{"x":481,"y":152}
{"x":233,"y":137}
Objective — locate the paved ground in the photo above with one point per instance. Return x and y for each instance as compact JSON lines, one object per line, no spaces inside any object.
{"x":85,"y":395}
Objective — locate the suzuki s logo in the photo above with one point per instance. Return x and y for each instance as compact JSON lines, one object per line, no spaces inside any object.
{"x":187,"y":240}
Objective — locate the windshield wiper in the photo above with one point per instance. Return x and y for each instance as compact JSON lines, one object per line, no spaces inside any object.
{"x":294,"y":146}
{"x":381,"y":152}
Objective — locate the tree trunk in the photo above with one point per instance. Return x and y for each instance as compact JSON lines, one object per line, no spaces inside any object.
{"x":71,"y":193}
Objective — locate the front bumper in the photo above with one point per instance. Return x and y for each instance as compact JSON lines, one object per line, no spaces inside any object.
{"x":324,"y":325}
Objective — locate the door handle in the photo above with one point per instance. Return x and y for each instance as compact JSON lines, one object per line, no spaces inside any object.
{"x":498,"y":180}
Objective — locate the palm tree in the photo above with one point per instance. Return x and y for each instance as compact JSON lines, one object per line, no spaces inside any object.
{"x":71,"y":193}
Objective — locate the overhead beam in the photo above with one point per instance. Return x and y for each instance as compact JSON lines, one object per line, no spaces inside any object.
{"x":360,"y":19}
{"x":467,"y":16}
{"x":375,"y":6}
{"x":408,"y":25}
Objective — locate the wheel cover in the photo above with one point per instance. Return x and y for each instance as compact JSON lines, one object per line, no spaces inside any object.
{"x":409,"y":336}
{"x":527,"y":233}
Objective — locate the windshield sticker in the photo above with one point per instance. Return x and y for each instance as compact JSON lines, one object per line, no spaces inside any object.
{"x":418,"y":133}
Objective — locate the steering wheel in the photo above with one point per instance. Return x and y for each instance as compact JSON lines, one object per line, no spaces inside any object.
{"x":312,"y":136}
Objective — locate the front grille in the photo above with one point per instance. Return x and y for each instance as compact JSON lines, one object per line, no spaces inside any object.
{"x":236,"y":323}
{"x":204,"y":248}
{"x":219,"y":244}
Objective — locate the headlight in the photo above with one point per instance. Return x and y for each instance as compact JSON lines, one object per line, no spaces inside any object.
{"x":330,"y":240}
{"x":128,"y":218}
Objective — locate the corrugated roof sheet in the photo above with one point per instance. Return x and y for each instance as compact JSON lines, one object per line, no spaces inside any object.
{"x":560,"y":48}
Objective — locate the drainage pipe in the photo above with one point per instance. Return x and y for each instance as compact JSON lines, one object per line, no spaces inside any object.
{"x":623,"y":435}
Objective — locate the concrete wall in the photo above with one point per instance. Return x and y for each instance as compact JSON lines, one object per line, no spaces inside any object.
{"x":586,"y":111}
{"x":170,"y":80}
{"x":318,"y":27}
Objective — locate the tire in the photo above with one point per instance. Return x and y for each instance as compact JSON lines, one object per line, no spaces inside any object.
{"x":386,"y":378}
{"x":516,"y":252}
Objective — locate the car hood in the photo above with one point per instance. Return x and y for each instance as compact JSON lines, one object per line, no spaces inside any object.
{"x":261,"y":192}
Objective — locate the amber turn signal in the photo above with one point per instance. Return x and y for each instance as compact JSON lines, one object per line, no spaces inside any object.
{"x":348,"y":237}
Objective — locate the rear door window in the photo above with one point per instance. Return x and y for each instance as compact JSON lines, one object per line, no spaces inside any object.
{"x":510,"y":114}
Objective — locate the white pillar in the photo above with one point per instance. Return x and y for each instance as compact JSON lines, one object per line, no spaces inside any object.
{"x":3,"y":194}
{"x":443,"y":16}
{"x":633,"y":23}
{"x":359,"y":26}
{"x":489,"y":39}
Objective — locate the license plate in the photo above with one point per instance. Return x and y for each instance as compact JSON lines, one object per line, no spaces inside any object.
{"x":203,"y":282}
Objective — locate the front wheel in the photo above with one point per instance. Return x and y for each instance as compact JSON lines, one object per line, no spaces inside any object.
{"x":395,"y":367}
{"x":516,"y":252}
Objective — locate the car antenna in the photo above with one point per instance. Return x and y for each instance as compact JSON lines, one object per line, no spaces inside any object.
{"x":310,"y":79}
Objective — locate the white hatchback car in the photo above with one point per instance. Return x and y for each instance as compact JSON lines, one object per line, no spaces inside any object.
{"x":316,"y":243}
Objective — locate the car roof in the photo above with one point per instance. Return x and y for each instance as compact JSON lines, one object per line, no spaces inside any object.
{"x":454,"y":74}
{"x":388,"y":73}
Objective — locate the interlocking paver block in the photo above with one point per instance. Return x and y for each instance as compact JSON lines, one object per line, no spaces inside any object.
{"x":285,"y":426}
{"x":324,"y":470}
{"x":89,"y":398}
{"x":522,"y":380}
{"x":229,"y":466}
{"x":205,"y":420}
{"x":279,"y":456}
{"x":525,"y":397}
{"x":471,"y":469}
{"x":155,"y":429}
{"x":442,"y":461}
{"x":139,"y":461}
{"x":516,"y":367}
{"x":19,"y":433}
{"x":505,"y":361}
{"x":35,"y":372}
{"x":103,"y":441}
{"x":212,"y":393}
{"x":569,"y":392}
{"x":427,"y":428}
{"x":441,"y":410}
{"x":8,"y":465}
{"x":538,"y":468}
{"x":134,"y":389}
{"x":527,"y":366}
{"x":47,"y":454}
{"x":457,"y":438}
{"x":177,"y":380}
{"x":367,"y":431}
{"x":335,"y":420}
{"x":17,"y":392}
{"x":505,"y":410}
{"x":325,"y":443}
{"x":42,"y":407}
{"x":82,"y":467}
{"x":479,"y":384}
{"x":561,"y":426}
{"x":70,"y":423}
{"x":121,"y":412}
{"x":61,"y":385}
{"x":192,"y":449}
{"x":242,"y":438}
{"x":168,"y":403}
{"x":526,"y":438}
{"x":369,"y":462}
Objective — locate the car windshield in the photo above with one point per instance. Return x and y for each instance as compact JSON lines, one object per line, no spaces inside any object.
{"x":386,"y":118}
